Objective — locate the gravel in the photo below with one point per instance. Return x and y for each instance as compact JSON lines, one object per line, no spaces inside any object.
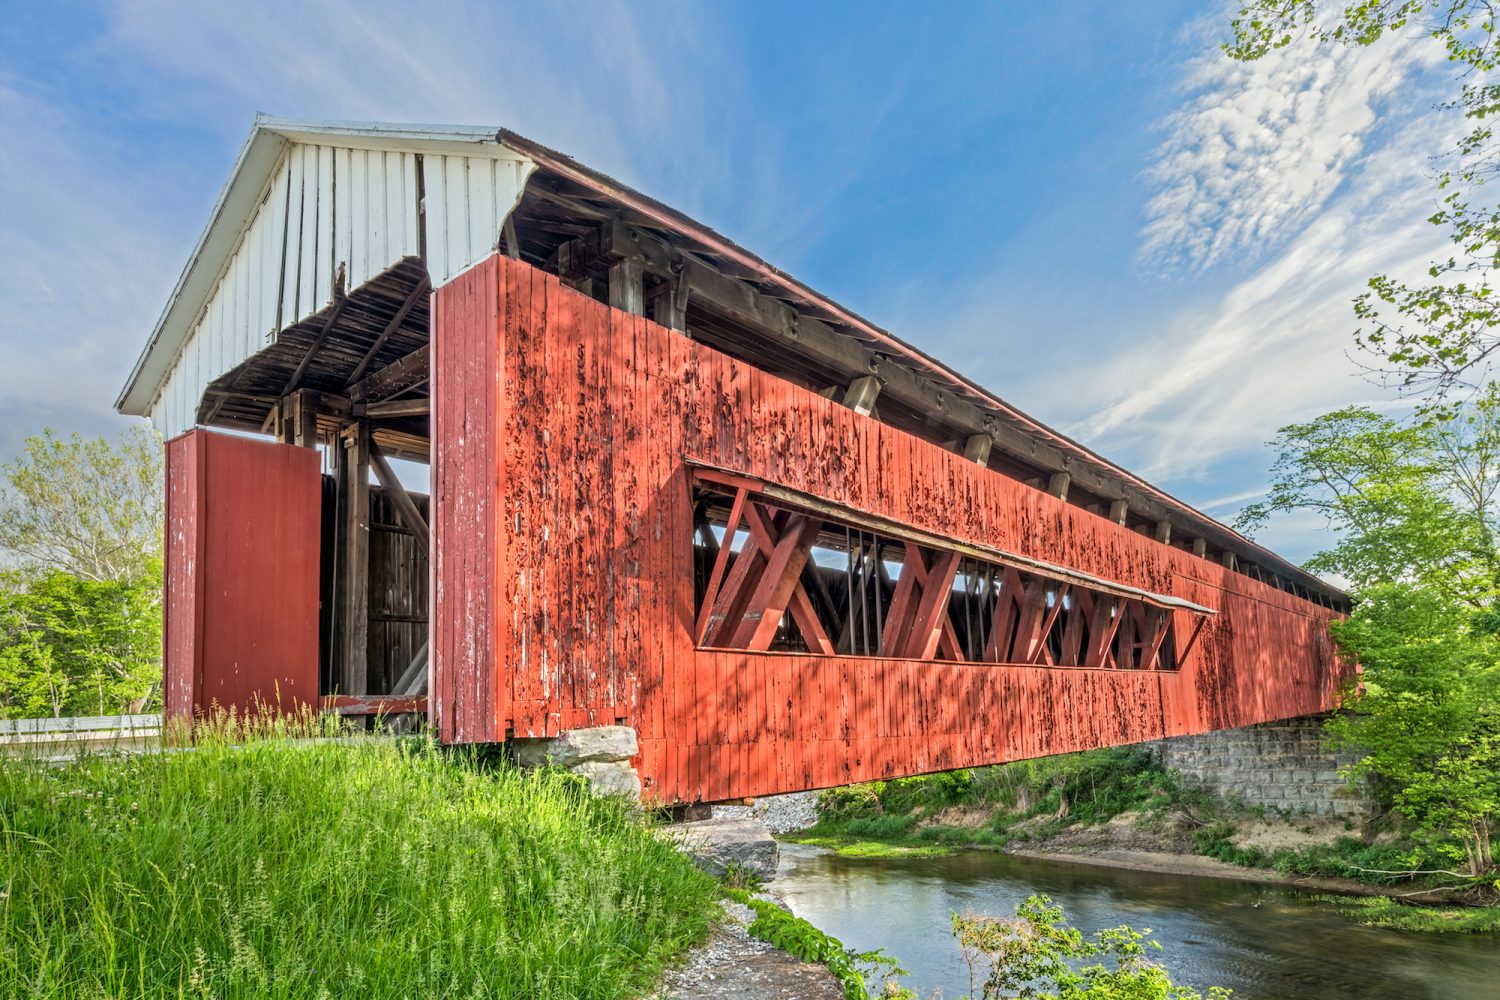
{"x":779,"y":813}
{"x":732,"y":965}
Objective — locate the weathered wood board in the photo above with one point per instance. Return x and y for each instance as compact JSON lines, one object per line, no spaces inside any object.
{"x":564,"y":432}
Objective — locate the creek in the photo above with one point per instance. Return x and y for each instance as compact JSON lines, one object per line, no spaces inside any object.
{"x":1266,"y":942}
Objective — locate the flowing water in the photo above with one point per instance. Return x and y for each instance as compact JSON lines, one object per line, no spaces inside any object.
{"x":1267,"y":942}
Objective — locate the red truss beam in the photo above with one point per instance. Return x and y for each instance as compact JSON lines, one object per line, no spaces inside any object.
{"x":931,"y":630}
{"x":1161,"y":623}
{"x":721,"y":560}
{"x":763,"y":582}
{"x":800,"y":604}
{"x":1103,"y":624}
{"x":1035,"y":620}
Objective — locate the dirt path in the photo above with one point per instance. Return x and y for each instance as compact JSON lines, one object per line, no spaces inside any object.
{"x":732,"y":965}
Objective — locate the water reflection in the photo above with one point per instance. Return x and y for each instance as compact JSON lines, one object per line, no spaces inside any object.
{"x":1266,"y":942}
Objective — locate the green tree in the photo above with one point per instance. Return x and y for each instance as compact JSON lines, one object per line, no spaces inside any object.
{"x":91,"y":507}
{"x":1414,"y":507}
{"x":1039,"y":956}
{"x":1434,"y":336}
{"x":1411,"y":502}
{"x":1427,"y":721}
{"x":70,"y":646}
{"x":80,"y":614}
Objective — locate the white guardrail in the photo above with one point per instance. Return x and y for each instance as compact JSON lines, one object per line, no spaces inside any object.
{"x":64,"y":738}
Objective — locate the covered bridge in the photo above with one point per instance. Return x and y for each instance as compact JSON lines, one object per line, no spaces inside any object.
{"x":672,"y":488}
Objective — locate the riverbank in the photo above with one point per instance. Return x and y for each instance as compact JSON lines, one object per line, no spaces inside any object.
{"x":1120,"y":808}
{"x":1268,"y":941}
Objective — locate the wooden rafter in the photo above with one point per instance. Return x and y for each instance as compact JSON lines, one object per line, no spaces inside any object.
{"x":340,"y":300}
{"x":421,"y":289}
{"x":398,"y":376}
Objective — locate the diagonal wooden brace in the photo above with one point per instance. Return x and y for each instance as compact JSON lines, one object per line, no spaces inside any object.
{"x":1030,"y":632}
{"x":1002,"y":629}
{"x":1080,"y":607}
{"x":800,"y":605}
{"x":781,"y":578}
{"x":930,"y":624}
{"x":1161,"y":626}
{"x":1102,"y":626}
{"x":721,"y":563}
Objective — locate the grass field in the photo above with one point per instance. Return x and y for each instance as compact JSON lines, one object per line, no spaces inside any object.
{"x":269,"y":867}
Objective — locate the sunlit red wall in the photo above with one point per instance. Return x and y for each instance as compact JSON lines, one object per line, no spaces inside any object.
{"x":563,"y":573}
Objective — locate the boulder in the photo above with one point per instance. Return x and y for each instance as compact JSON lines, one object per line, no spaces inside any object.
{"x":717,"y":845}
{"x":610,"y":777}
{"x":577,"y":746}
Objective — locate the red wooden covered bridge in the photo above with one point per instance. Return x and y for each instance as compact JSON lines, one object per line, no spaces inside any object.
{"x":671,"y":488}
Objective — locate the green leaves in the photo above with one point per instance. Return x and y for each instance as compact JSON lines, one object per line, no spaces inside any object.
{"x":1038,"y":955}
{"x":71,"y":646}
{"x":90,"y":507}
{"x":1411,"y":501}
{"x":1428,"y":720}
{"x":795,"y":936}
{"x":80,"y":622}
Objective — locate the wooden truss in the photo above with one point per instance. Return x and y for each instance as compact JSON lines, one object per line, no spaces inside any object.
{"x":774,"y":577}
{"x":745,"y":603}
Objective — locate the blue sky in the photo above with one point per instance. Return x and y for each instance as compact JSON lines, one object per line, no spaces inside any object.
{"x":1092,"y":212}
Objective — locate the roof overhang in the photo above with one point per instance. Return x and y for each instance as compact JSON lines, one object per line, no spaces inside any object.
{"x":248,"y":184}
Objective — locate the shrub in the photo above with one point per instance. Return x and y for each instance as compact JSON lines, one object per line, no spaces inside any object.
{"x":851,"y":800}
{"x":1037,"y":954}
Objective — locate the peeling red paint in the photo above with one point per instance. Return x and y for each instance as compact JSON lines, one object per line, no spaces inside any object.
{"x":564,"y":576}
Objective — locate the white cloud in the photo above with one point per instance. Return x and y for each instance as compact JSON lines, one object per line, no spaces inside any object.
{"x":1275,"y":347}
{"x":1259,"y":148}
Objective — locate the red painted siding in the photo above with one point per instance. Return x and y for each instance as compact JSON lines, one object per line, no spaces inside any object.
{"x":466,"y":486}
{"x":242,"y":573}
{"x":565,"y":572}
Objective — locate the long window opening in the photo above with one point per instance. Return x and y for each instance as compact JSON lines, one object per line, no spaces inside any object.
{"x":769,"y":577}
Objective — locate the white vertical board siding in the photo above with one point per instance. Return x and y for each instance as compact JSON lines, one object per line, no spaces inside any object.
{"x":331,"y":207}
{"x":468,"y":198}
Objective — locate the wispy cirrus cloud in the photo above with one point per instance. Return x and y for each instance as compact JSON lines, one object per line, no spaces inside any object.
{"x":1259,"y":148}
{"x":1294,"y":178}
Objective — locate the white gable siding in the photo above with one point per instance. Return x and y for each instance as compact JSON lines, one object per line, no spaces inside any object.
{"x":328,"y":207}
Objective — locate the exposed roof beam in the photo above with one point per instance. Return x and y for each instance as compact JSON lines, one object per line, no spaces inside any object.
{"x":333,"y":317}
{"x":416,"y":406}
{"x":395,"y":377}
{"x":391,"y":327}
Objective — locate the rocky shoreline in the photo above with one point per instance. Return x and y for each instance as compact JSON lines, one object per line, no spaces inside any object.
{"x":733,"y":965}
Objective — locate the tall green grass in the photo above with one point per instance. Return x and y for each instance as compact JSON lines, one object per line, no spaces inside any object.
{"x":315,"y":868}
